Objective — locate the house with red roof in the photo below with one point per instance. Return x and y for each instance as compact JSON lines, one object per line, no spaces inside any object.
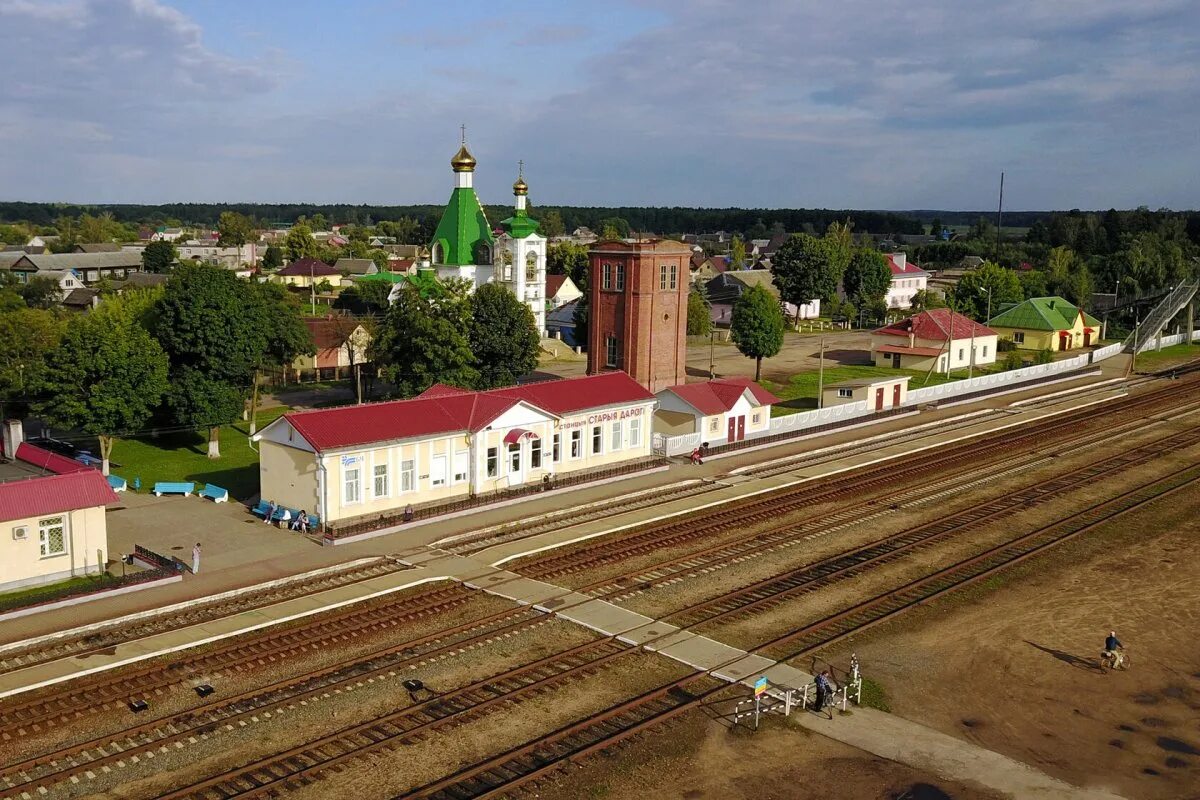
{"x":560,"y":290}
{"x":931,"y":339}
{"x":447,"y":443}
{"x":722,"y":410}
{"x":341,"y":344}
{"x":907,"y":279}
{"x":52,"y":524}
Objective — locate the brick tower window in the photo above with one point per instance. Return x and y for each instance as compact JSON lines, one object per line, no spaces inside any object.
{"x":668,"y":276}
{"x":620,"y":285}
{"x":612,"y":350}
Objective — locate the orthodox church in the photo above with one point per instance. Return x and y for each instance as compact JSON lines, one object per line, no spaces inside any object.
{"x":464,"y":246}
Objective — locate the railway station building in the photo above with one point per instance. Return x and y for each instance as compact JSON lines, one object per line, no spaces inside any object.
{"x":723,"y":411}
{"x":881,"y":394}
{"x":448,"y":443}
{"x":927,"y":340}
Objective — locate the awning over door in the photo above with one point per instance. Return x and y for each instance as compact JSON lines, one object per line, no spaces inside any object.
{"x":517,"y":434}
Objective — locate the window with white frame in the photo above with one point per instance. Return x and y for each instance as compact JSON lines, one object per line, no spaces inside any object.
{"x":408,"y":475}
{"x":576,"y":443}
{"x":756,"y":417}
{"x":597,"y":440}
{"x":620,"y":282}
{"x":556,"y":448}
{"x":635,"y":432}
{"x":535,"y":454}
{"x":437,"y":471}
{"x":52,"y":536}
{"x":985,"y":351}
{"x":351,"y":485}
{"x":461,"y":462}
{"x":514,"y":457}
{"x":382,"y":486}
{"x":845,"y":393}
{"x":606,"y":280}
{"x":1018,"y":337}
{"x":493,"y":461}
{"x":610,"y":343}
{"x":616,"y":436}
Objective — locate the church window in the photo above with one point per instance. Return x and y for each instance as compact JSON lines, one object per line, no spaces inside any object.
{"x":611,"y":347}
{"x":620,"y":287}
{"x":531,"y":268}
{"x":606,"y":270}
{"x":483,"y":254}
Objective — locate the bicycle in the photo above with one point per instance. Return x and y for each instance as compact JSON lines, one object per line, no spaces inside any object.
{"x":1114,"y":660}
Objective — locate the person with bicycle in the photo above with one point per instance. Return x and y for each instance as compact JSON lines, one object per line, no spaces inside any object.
{"x":1113,"y":651}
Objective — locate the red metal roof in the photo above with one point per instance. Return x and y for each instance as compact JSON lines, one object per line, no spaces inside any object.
{"x":934,"y":325}
{"x":44,"y":459}
{"x":445,"y":409}
{"x":909,"y":351}
{"x":54,"y":494}
{"x":308,"y":266}
{"x":720,"y":395}
{"x":554,"y":283}
{"x":332,"y":332}
{"x":909,"y":267}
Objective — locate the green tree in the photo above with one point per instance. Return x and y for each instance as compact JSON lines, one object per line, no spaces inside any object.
{"x":699,"y":319}
{"x":757,"y":326}
{"x":158,"y":257}
{"x":215,"y":332}
{"x":840,"y":243}
{"x":804,"y":270}
{"x":737,"y":253}
{"x":106,"y":377}
{"x":1033,"y":283}
{"x":272,"y":258}
{"x":234,"y":230}
{"x":552,"y":224}
{"x":41,"y":292}
{"x":504,"y":336}
{"x":614,"y":228}
{"x":299,"y":243}
{"x":581,"y":316}
{"x":925,"y":299}
{"x":27,"y":336}
{"x":423,"y":341}
{"x":14,"y":234}
{"x":566,"y":258}
{"x":867,"y":278}
{"x":935,"y":227}
{"x":973,"y":289}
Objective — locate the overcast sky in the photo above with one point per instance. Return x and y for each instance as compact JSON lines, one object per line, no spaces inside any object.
{"x":763,"y":103}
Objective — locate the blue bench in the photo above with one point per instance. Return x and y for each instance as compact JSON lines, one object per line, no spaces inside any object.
{"x":260,"y":510}
{"x":170,"y":487}
{"x":117,"y":483}
{"x":215,"y":493}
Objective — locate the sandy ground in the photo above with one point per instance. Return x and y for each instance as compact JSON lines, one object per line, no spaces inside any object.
{"x":1015,"y":669}
{"x":701,"y":757}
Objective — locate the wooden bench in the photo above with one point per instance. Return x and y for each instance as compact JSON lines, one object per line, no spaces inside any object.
{"x":215,"y":493}
{"x":173,"y":487}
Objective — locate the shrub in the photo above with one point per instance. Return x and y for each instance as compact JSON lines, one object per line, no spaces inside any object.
{"x":1005,"y":345}
{"x":1012,"y":360}
{"x":1043,"y":356}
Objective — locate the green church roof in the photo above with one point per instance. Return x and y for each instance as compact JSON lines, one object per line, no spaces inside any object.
{"x":520,"y":224}
{"x":462,"y":231}
{"x":1041,"y":314}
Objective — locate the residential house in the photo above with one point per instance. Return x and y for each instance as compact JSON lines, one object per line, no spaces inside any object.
{"x":164,"y":234}
{"x":709,"y":267}
{"x":928,"y":340}
{"x":41,"y":243}
{"x":970,"y":263}
{"x":355,"y":266}
{"x":209,"y":252}
{"x":449,"y":443}
{"x":402,"y":265}
{"x":722,"y":410}
{"x":66,"y":279}
{"x":560,"y":290}
{"x":90,"y":268}
{"x":907,"y":279}
{"x":341,"y":343}
{"x":306,"y":272}
{"x":880,"y":394}
{"x":560,"y":324}
{"x":83,"y":299}
{"x":1047,"y":323}
{"x":727,"y":287}
{"x":52,"y":524}
{"x":97,"y":247}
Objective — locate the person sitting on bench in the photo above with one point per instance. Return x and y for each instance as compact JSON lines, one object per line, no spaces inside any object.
{"x":300,"y":523}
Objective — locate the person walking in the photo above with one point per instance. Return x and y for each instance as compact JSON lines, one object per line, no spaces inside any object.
{"x":196,"y":559}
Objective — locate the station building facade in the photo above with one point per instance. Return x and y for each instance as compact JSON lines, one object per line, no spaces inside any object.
{"x":722,"y":411}
{"x":449,"y":443}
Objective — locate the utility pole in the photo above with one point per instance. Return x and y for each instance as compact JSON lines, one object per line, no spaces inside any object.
{"x":971,"y":362}
{"x":712,"y":352}
{"x":821,"y":375}
{"x":999,"y":216}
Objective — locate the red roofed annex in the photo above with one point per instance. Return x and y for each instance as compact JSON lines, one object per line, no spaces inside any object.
{"x":722,"y":411}
{"x":933,"y":338}
{"x":448,"y":442}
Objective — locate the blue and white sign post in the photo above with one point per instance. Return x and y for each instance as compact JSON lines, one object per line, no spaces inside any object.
{"x":760,"y":688}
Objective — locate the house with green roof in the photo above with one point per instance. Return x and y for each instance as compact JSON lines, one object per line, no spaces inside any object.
{"x":1046,"y":323}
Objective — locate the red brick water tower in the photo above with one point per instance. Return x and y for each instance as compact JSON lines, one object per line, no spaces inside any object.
{"x":637,"y":322}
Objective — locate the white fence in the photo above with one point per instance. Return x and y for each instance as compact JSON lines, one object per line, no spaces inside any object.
{"x":687,"y":442}
{"x":983,"y":382}
{"x":1107,"y":351}
{"x":1167,"y":341}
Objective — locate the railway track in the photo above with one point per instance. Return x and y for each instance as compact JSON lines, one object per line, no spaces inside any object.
{"x":305,"y":763}
{"x":767,"y":593}
{"x":88,"y":696}
{"x":97,"y":638}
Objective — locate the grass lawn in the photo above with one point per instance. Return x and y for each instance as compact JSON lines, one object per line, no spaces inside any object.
{"x":1175,"y":354}
{"x":184,"y":457}
{"x":800,"y":392}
